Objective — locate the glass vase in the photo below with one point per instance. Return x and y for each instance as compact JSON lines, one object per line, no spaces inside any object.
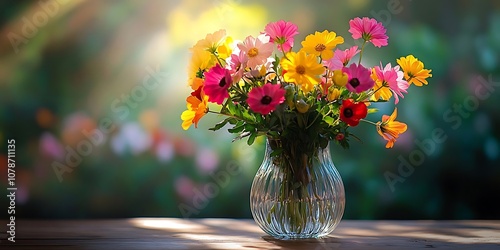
{"x":297,"y":194}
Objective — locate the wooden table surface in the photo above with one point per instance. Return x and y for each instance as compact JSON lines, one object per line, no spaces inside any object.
{"x":172,"y":233}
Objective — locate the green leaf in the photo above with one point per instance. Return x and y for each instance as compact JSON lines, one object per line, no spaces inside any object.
{"x":273,"y":134}
{"x":276,"y":152}
{"x":249,"y":127}
{"x":237,"y":128}
{"x":259,"y":119}
{"x":219,"y":125}
{"x":372,"y":110}
{"x":329,"y":120}
{"x":251,"y":138}
{"x":248,"y":116}
{"x":233,"y":109}
{"x":232,"y":121}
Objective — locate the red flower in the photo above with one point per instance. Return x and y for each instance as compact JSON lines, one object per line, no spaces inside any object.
{"x":351,"y":112}
{"x":264,"y":99}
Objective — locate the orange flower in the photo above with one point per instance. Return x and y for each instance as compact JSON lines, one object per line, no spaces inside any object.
{"x":197,"y":107}
{"x":390,"y":129}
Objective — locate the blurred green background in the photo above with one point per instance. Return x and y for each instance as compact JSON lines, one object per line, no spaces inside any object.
{"x":108,"y":79}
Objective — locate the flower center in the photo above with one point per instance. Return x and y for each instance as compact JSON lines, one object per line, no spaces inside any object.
{"x":280,"y":40}
{"x":354,"y":82}
{"x":348,"y":112}
{"x":366,"y":36}
{"x":320,"y":47}
{"x":383,"y":129}
{"x":222,"y":82}
{"x":199,"y":73}
{"x":266,"y":100}
{"x":300,"y":69}
{"x":253,"y":52}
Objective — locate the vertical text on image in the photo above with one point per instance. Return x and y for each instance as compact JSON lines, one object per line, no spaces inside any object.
{"x":11,"y":188}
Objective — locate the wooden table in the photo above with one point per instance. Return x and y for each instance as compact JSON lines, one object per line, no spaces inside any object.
{"x":172,"y":233}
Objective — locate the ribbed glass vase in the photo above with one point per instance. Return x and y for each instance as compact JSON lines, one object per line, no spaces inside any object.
{"x":297,"y":194}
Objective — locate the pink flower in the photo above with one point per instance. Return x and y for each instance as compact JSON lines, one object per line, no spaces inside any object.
{"x":346,"y":55}
{"x":368,"y":29}
{"x":237,"y":64}
{"x":394,"y":78}
{"x":217,"y":81}
{"x":282,"y":33}
{"x":264,"y":99}
{"x":341,"y":58}
{"x":257,"y":49}
{"x":359,"y":78}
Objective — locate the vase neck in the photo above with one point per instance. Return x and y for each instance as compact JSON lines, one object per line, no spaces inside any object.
{"x":295,"y":149}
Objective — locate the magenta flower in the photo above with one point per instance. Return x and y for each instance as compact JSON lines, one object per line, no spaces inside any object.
{"x":257,"y":49}
{"x":217,"y":81}
{"x":264,"y":99}
{"x":282,"y":33}
{"x":341,"y":58}
{"x":368,"y":29}
{"x":393,"y":77}
{"x":359,"y":78}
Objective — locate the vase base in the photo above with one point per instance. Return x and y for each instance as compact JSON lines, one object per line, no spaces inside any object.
{"x":297,"y":236}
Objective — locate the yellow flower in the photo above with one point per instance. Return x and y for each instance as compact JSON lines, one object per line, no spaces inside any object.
{"x":382,"y":91}
{"x":224,"y":50}
{"x":333,"y":94}
{"x":262,"y":71}
{"x":197,"y":107}
{"x":302,"y":69}
{"x":390,"y":129}
{"x":321,"y":44}
{"x":340,"y":78}
{"x":201,"y":60}
{"x":211,"y":42}
{"x":414,"y":70}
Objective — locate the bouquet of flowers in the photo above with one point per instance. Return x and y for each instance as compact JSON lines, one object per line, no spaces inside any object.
{"x":300,"y":100}
{"x":315,"y":94}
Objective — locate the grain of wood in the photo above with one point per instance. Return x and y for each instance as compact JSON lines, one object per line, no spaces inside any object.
{"x":173,"y":233}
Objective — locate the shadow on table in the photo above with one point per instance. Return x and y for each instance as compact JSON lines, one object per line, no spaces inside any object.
{"x":312,"y":244}
{"x":244,"y":234}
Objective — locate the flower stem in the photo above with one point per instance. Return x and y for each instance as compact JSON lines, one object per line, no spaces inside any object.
{"x":218,"y":59}
{"x":315,"y":118}
{"x":228,"y":115}
{"x":361,"y":53}
{"x":384,"y":84}
{"x":370,"y":122}
{"x":283,"y":50}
